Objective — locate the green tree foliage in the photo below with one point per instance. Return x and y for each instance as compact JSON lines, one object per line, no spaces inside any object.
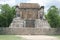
{"x":6,"y":16}
{"x":53,"y":17}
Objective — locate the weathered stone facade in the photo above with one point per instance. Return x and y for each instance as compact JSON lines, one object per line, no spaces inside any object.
{"x":29,"y":15}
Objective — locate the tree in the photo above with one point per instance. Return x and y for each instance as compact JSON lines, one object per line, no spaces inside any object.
{"x":53,"y":17}
{"x":6,"y":16}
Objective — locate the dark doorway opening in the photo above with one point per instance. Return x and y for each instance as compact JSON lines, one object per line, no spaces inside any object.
{"x":30,"y":23}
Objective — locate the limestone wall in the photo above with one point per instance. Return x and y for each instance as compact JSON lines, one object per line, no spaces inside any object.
{"x":29,"y":31}
{"x":28,"y":14}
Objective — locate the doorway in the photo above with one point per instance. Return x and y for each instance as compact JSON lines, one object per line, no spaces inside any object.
{"x":30,"y":23}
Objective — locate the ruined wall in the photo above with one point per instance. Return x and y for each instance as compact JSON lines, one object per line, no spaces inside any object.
{"x":29,"y":14}
{"x":29,"y":31}
{"x":39,"y":23}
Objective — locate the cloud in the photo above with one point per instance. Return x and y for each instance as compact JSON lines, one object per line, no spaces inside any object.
{"x":10,"y":2}
{"x":35,"y":1}
{"x":45,"y":3}
{"x":41,"y":2}
{"x":21,"y":1}
{"x":53,"y":2}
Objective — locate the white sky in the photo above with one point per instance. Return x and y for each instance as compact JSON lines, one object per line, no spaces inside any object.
{"x":45,"y":3}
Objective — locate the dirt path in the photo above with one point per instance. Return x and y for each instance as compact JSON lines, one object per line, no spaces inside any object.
{"x":38,"y":37}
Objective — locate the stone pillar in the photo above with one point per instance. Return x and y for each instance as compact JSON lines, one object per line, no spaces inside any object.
{"x":17,"y":12}
{"x":20,"y":14}
{"x":41,"y":13}
{"x":38,"y":14}
{"x":24,"y":24}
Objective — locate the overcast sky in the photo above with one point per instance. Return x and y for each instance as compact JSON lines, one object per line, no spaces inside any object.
{"x":45,"y":3}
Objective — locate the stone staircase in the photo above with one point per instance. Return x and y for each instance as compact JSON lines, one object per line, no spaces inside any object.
{"x":17,"y":22}
{"x":41,"y":23}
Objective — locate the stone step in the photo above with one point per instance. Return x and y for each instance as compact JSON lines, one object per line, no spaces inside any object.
{"x":17,"y":22}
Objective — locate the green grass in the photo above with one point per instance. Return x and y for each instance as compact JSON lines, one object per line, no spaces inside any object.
{"x":9,"y":37}
{"x":58,"y":36}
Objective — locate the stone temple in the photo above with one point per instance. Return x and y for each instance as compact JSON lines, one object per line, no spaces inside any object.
{"x":29,"y":15}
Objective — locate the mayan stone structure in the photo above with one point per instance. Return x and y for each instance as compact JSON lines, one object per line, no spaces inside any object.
{"x":30,"y":15}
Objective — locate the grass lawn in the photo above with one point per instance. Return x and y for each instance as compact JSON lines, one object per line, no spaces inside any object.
{"x":10,"y":37}
{"x":58,"y":36}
